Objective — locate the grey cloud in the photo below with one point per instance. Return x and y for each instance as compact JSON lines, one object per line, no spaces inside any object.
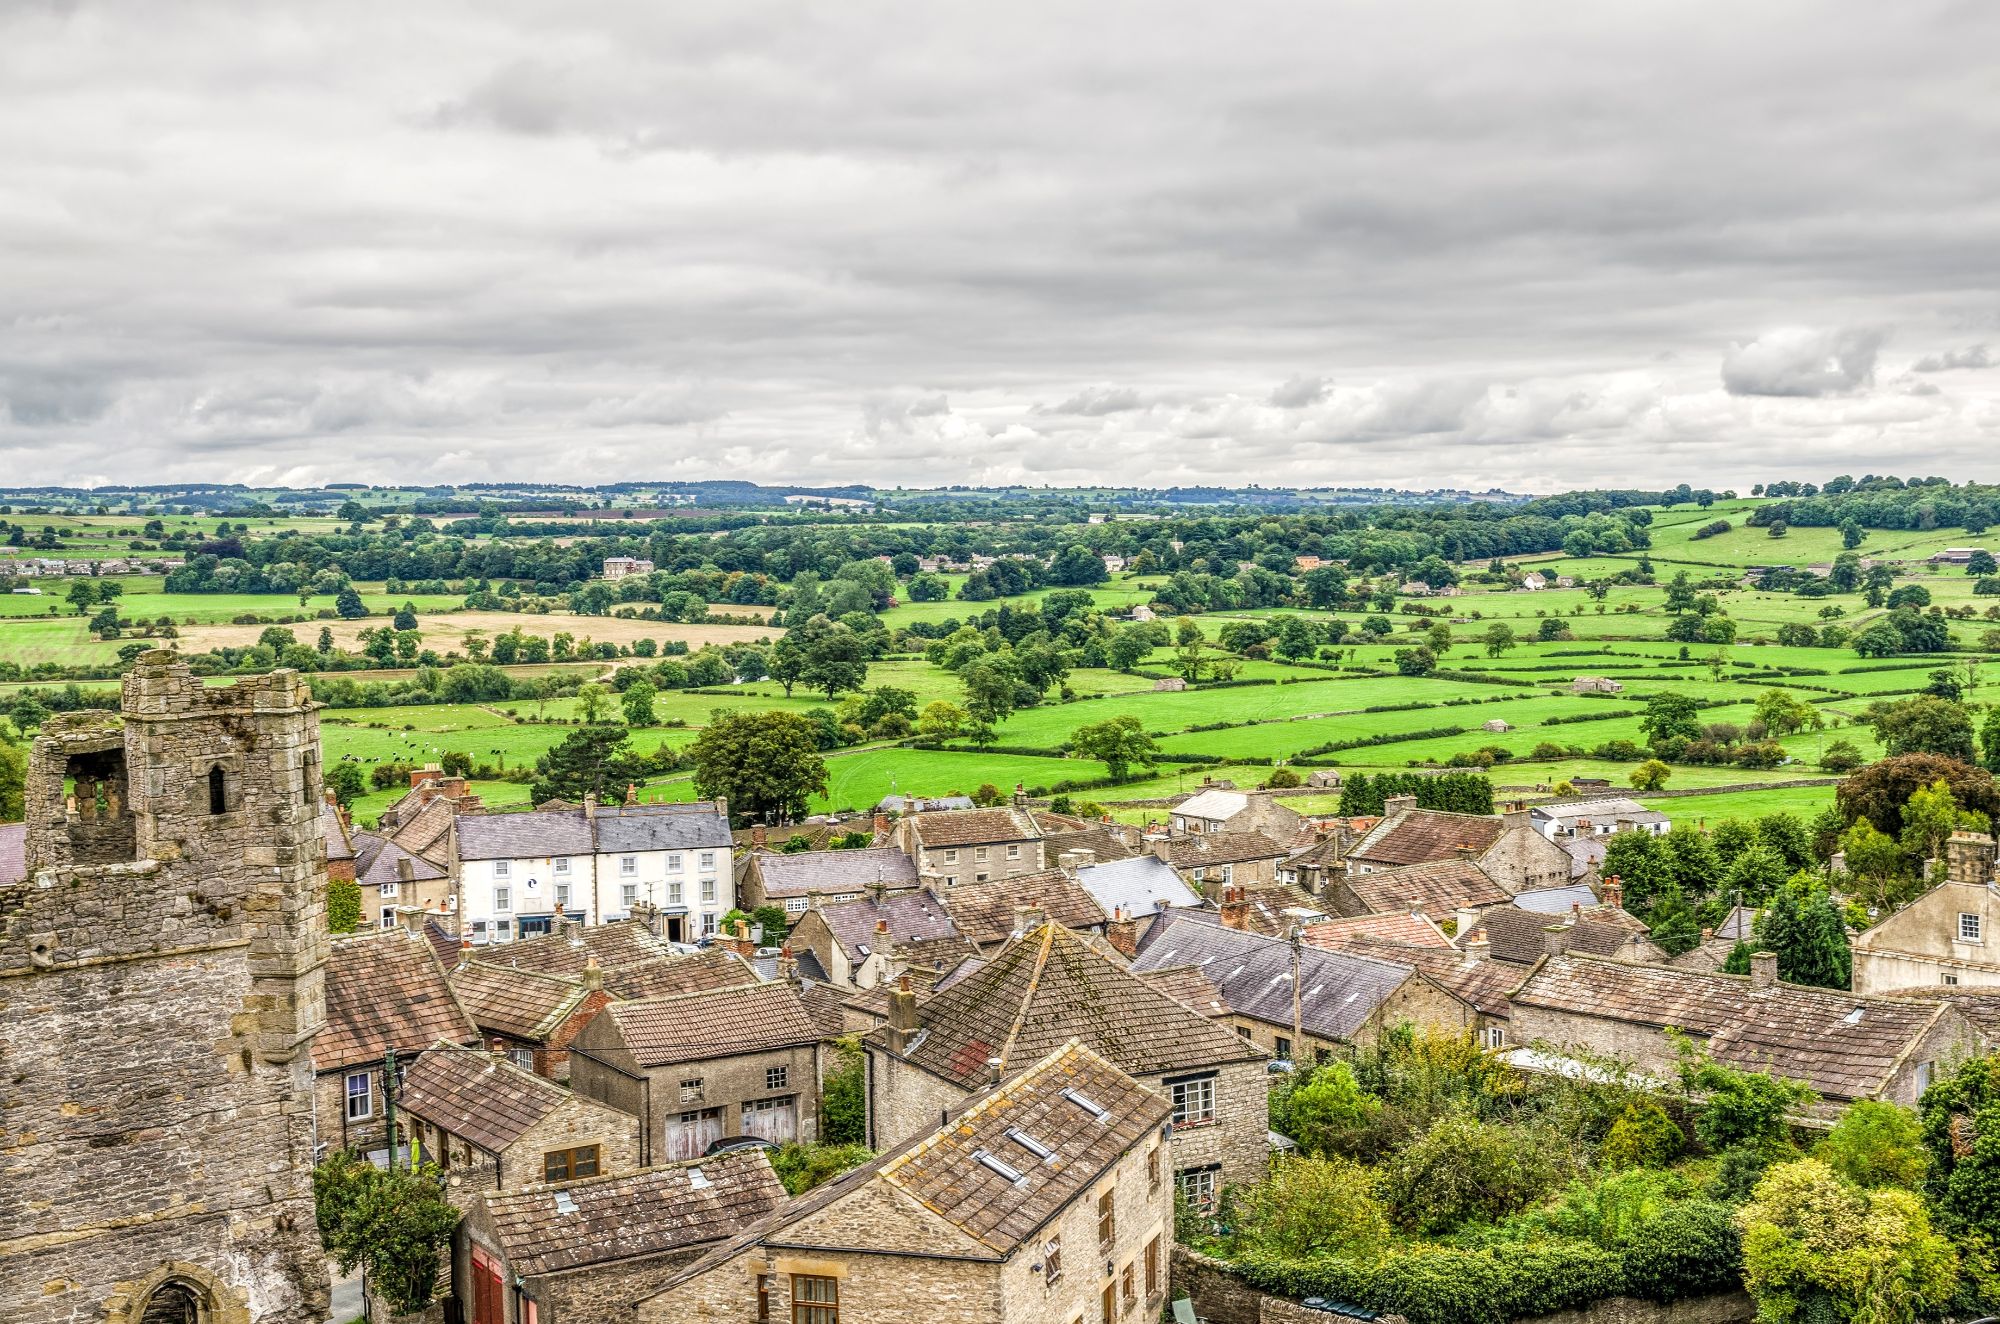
{"x":1803,"y":361}
{"x":1298,"y":392}
{"x":520,"y":230}
{"x":1097,"y":401}
{"x":1972,"y":356}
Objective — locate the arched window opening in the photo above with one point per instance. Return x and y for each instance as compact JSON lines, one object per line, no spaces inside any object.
{"x":218,"y":790}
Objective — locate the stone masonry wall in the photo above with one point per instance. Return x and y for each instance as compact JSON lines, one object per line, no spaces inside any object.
{"x":159,"y":984}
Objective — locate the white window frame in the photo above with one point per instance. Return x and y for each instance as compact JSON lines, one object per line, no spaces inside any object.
{"x":951,"y":857}
{"x":1971,"y":926}
{"x":1014,"y":850}
{"x":628,"y":866}
{"x":796,"y":905}
{"x":708,"y":859}
{"x":674,"y":863}
{"x":503,"y":868}
{"x":562,"y":895}
{"x":1197,"y":1186}
{"x":388,"y":917}
{"x":708,"y":889}
{"x":708,"y":919}
{"x":979,"y":855}
{"x":1193,"y":1100}
{"x":562,"y":865}
{"x":503,"y":899}
{"x":628,"y":894}
{"x":775,"y":1077}
{"x":674,"y":892}
{"x":388,"y":889}
{"x":366,"y":1094}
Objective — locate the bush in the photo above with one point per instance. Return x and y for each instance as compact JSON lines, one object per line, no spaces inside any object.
{"x":1689,"y":1249}
{"x":1643,"y":1137}
{"x":803,"y":1166}
{"x":1464,"y":1169}
{"x":1444,"y":1285}
{"x":1876,"y":1144}
{"x":1314,"y":1206}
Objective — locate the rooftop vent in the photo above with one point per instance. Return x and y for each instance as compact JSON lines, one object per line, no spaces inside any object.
{"x":564,"y":1204}
{"x":1852,"y":1017}
{"x":698,"y":1180}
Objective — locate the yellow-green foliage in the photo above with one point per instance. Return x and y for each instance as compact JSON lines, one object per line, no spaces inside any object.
{"x":1314,"y":1206}
{"x":1643,"y":1137}
{"x":1876,"y":1144}
{"x":1816,"y":1246}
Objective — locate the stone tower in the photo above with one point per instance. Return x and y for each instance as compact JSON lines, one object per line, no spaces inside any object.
{"x":160,"y":984}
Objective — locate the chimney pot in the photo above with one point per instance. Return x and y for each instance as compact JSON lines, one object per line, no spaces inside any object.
{"x":757,"y":837}
{"x":593,"y":974}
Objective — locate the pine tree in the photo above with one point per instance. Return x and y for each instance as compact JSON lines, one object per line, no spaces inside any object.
{"x":1806,"y":931}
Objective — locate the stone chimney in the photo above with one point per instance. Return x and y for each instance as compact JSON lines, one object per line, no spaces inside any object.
{"x":1464,"y":920}
{"x":1517,"y":815}
{"x":1763,"y":969}
{"x":757,"y":836}
{"x":788,"y":965}
{"x":593,"y":974}
{"x":496,"y":1050}
{"x":1478,"y":950}
{"x":1235,"y":909}
{"x":1614,"y":893}
{"x":1029,"y":918}
{"x":1555,"y":938}
{"x":740,"y":941}
{"x":589,"y":804}
{"x":1398,"y":804}
{"x":411,"y":918}
{"x":649,"y":915}
{"x":722,"y":808}
{"x":1466,"y":852}
{"x":882,"y":827}
{"x":1020,"y":795}
{"x":1123,"y":933}
{"x":1072,"y":860}
{"x":406,"y":872}
{"x":464,"y":951}
{"x":631,"y":793}
{"x":1969,"y":857}
{"x":902,"y":1023}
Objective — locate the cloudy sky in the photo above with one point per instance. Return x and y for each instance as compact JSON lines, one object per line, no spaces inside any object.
{"x":1531,"y":245}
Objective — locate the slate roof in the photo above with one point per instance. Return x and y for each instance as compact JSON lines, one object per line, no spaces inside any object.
{"x":1843,"y":1045}
{"x":533,"y":834}
{"x":427,"y":828}
{"x":1410,"y":930}
{"x":386,"y":990}
{"x":338,"y":847}
{"x":625,"y":828}
{"x":942,"y":1171}
{"x":376,"y":861}
{"x":912,"y":917}
{"x":1254,"y":975}
{"x":1270,"y":909}
{"x":749,"y":1018}
{"x":651,"y":1212}
{"x":1483,"y":984}
{"x":1048,"y":987}
{"x":1981,"y":1006}
{"x":1213,"y":805}
{"x":1214,"y":849}
{"x":1140,"y":886}
{"x":615,"y":946}
{"x":1518,"y":935}
{"x":1614,"y":808}
{"x":1585,"y":853}
{"x":469,"y":1094}
{"x":1555,"y":900}
{"x":522,"y":1004}
{"x":1436,"y":887}
{"x":973,"y":827}
{"x":834,"y":870}
{"x":13,"y":852}
{"x":913,"y":804}
{"x":984,"y":912}
{"x":1417,"y":836}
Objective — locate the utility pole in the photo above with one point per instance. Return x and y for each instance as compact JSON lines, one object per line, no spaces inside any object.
{"x":1298,"y":1007}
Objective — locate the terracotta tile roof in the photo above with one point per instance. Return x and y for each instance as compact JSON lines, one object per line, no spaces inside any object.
{"x":1048,"y":987}
{"x":615,"y":946}
{"x":469,"y":1094}
{"x":1214,"y":849}
{"x":1843,"y":1045}
{"x":424,"y":832}
{"x":386,"y":990}
{"x":942,"y":1169}
{"x":1417,"y":836}
{"x":823,"y":1003}
{"x":749,"y":1018}
{"x":1409,"y":930}
{"x":1981,"y":1006}
{"x":640,"y":1213}
{"x":833,"y":870}
{"x":1318,"y":851}
{"x":1187,"y":985}
{"x":522,"y":1004}
{"x":1513,"y":934}
{"x":912,"y":916}
{"x":984,"y":912}
{"x":973,"y":827}
{"x":1254,"y":975}
{"x":1483,"y":984}
{"x":1436,"y":887}
{"x":448,"y":946}
{"x":376,"y":861}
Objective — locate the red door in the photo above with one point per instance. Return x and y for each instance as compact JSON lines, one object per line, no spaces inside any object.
{"x":487,"y":1299}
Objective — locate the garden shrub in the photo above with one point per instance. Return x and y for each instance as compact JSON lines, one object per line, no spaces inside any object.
{"x":1687,"y":1249}
{"x":1643,"y":1137}
{"x":1463,"y":1169}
